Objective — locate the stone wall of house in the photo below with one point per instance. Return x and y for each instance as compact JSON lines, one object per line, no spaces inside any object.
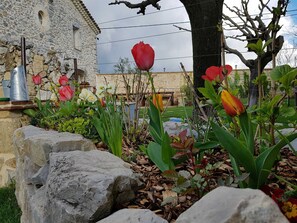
{"x":51,"y":28}
{"x":48,"y":66}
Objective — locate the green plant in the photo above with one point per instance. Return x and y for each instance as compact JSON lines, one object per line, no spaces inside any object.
{"x":108,"y":123}
{"x":243,"y":152}
{"x":159,"y":151}
{"x":78,"y":125}
{"x":255,"y":152}
{"x":187,"y":92}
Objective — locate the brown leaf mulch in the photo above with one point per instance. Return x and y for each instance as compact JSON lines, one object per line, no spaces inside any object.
{"x":157,"y":189}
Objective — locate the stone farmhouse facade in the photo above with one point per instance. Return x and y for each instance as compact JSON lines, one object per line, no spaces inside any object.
{"x":60,"y":35}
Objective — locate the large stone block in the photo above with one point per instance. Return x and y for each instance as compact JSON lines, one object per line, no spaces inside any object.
{"x":227,"y":205}
{"x":85,"y":186}
{"x":32,"y":147}
{"x":37,"y":143}
{"x":133,"y":216}
{"x":70,"y":186}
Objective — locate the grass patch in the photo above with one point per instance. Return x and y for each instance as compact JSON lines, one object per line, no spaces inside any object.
{"x":182,"y":112}
{"x":177,"y":112}
{"x":9,"y":209}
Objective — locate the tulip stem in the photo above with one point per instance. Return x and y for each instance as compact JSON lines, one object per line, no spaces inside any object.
{"x":152,"y":82}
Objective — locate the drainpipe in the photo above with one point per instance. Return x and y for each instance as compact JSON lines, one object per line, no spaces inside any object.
{"x":23,"y":54}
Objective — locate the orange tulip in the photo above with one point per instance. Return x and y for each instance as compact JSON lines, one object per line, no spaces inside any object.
{"x":232,"y":105}
{"x":158,"y":102}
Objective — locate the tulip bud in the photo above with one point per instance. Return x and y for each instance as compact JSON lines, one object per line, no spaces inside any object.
{"x":143,"y":55}
{"x":36,"y":79}
{"x":232,"y":105}
{"x":158,"y":102}
{"x":63,"y":80}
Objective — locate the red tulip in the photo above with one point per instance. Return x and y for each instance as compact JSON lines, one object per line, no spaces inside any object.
{"x":232,"y":105}
{"x":63,"y":80}
{"x":216,"y":74}
{"x":36,"y":79}
{"x":66,"y":93}
{"x":143,"y":55}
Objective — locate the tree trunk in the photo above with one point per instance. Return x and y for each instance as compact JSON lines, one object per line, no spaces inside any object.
{"x":253,"y":66}
{"x":253,"y":89}
{"x":204,"y":17}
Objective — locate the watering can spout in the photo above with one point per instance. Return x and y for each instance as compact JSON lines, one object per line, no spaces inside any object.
{"x":18,"y":88}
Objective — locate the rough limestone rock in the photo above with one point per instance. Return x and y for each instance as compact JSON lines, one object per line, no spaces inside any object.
{"x":33,"y":147}
{"x":133,"y":216}
{"x":231,"y":205}
{"x":38,"y":143}
{"x":62,"y":178}
{"x":85,"y":186}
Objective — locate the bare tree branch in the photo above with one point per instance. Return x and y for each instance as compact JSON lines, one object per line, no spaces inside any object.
{"x":237,"y":53}
{"x":181,"y":28}
{"x":142,"y":6}
{"x":247,"y":15}
{"x":234,"y":24}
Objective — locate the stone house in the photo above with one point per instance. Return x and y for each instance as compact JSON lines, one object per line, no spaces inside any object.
{"x":56,"y":33}
{"x":60,"y":35}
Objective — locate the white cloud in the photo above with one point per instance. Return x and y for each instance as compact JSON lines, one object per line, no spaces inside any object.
{"x":167,"y":46}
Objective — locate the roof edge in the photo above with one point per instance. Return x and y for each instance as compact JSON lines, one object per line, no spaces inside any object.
{"x":87,"y":15}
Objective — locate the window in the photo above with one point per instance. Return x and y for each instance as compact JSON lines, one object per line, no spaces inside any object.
{"x":40,"y":16}
{"x":76,"y":38}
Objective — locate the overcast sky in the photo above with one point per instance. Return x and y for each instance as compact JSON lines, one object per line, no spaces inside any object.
{"x":170,"y":49}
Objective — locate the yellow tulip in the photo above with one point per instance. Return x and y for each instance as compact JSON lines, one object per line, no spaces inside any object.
{"x":232,"y":105}
{"x":158,"y":102}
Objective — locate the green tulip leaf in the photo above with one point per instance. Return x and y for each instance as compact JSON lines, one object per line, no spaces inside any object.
{"x":167,"y":151}
{"x":206,"y":145}
{"x":266,"y":159}
{"x":30,"y":112}
{"x":247,"y":129}
{"x":156,"y":125}
{"x":154,"y":152}
{"x":237,"y":149}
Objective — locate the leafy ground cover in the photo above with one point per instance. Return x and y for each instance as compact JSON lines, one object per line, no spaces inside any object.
{"x":9,"y":209}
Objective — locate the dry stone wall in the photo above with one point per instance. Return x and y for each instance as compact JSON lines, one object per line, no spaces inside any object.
{"x":163,"y":81}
